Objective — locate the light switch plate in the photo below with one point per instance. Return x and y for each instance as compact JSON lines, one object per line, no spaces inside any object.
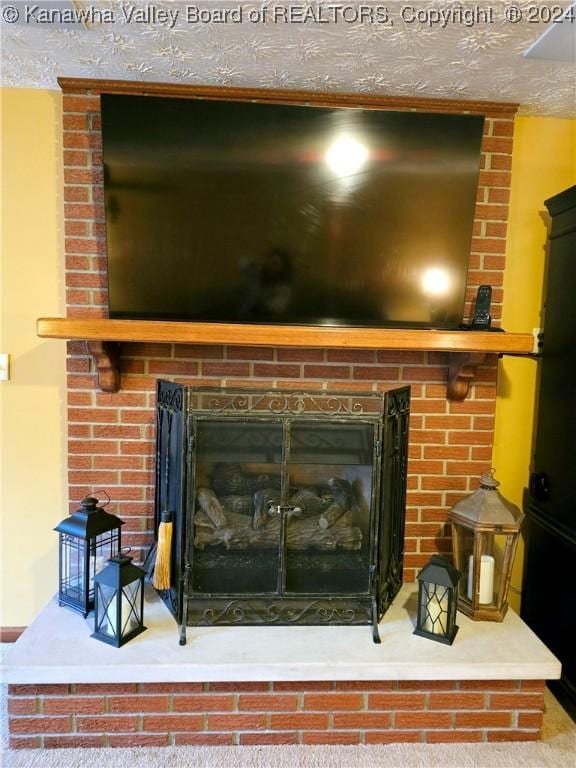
{"x":4,"y":366}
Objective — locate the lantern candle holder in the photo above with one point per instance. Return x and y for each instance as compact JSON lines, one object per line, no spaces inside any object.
{"x":485,"y":532}
{"x":88,"y":538}
{"x":119,"y":601}
{"x":437,"y":601}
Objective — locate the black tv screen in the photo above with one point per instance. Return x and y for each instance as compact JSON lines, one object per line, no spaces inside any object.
{"x":234,"y":211}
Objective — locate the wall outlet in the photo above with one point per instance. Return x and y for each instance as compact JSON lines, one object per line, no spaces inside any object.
{"x":538,"y":334}
{"x":4,"y":366}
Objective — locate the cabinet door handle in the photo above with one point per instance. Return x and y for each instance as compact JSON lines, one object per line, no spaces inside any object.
{"x":539,"y":486}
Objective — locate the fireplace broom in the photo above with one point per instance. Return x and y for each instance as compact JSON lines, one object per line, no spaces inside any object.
{"x":161,"y":579}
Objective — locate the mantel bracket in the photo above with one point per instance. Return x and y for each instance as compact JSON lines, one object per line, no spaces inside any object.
{"x":106,"y":355}
{"x":461,"y":370}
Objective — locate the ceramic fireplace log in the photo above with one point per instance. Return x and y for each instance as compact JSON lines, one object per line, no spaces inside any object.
{"x":301,"y":534}
{"x":212,"y":508}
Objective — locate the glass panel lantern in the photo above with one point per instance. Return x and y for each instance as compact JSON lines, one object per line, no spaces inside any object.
{"x":437,"y":601}
{"x":119,"y":606}
{"x":485,"y":531}
{"x":88,"y":539}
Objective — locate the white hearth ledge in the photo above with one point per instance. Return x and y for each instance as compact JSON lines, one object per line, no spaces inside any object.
{"x":57,"y":648}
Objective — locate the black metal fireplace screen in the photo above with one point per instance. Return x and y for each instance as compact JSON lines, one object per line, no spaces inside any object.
{"x":288,"y":507}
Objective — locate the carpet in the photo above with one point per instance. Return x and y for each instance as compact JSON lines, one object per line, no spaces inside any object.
{"x":557,"y":750}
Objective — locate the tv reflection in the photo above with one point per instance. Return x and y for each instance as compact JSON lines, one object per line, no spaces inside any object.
{"x":269,"y":282}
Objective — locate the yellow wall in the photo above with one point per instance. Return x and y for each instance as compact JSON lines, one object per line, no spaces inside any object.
{"x":543,"y":164}
{"x":32,"y":403}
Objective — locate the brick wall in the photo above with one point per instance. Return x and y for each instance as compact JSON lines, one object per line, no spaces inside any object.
{"x":111,"y":436}
{"x":162,"y":714}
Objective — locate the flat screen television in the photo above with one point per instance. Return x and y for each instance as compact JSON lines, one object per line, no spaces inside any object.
{"x":240,"y":211}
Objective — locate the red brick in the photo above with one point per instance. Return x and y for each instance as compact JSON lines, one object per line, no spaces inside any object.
{"x":249,"y":353}
{"x":489,"y":685}
{"x":517,"y":701}
{"x":446,"y":737}
{"x":40,"y":724}
{"x":74,"y":705}
{"x":530,"y":719}
{"x":235,"y":722}
{"x":203,"y":739}
{"x":317,"y":685}
{"x":23,"y":706}
{"x":68,"y":742}
{"x":365,"y":685}
{"x":269,"y":738}
{"x":497,"y":144}
{"x":396,"y":701}
{"x":225,"y":369}
{"x":249,"y":687}
{"x":24,"y":742}
{"x":376,"y":373}
{"x":501,"y":163}
{"x":350,"y":355}
{"x":483,"y":719}
{"x":492,"y":212}
{"x":275,"y":370}
{"x":80,"y":103}
{"x":172,"y":723}
{"x":332,"y":701}
{"x":268,"y":703}
{"x":330,"y":737}
{"x":172,"y":367}
{"x":400,"y":356}
{"x":75,"y":157}
{"x":139,"y":740}
{"x":533,"y":685}
{"x":199,"y":351}
{"x":456,"y":701}
{"x":391,"y":737}
{"x":494,"y":229}
{"x":105,"y":688}
{"x":138,"y":704}
{"x":422,"y":720}
{"x":107,"y":724}
{"x":362,"y":720}
{"x":203,"y":703}
{"x":80,"y":211}
{"x":298,"y":721}
{"x":75,"y":195}
{"x":515,"y":735}
{"x":297,"y":355}
{"x":327,"y":371}
{"x":46,"y":689}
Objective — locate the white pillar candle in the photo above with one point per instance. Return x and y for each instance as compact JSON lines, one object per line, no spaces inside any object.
{"x":486,"y":579}
{"x":435,"y":608}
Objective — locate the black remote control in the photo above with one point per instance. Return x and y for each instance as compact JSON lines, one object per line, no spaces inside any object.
{"x":482,"y":318}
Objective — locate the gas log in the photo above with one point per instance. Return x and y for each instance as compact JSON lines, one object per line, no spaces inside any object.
{"x":301,"y":533}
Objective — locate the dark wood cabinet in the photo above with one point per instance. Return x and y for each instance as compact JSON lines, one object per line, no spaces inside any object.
{"x":548,"y":600}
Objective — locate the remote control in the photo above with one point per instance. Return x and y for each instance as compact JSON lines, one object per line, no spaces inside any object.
{"x":482,"y":317}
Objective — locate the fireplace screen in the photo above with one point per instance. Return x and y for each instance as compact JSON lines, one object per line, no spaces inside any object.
{"x":288,"y":507}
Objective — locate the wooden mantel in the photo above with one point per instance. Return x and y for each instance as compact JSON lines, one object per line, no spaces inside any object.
{"x":467,"y":349}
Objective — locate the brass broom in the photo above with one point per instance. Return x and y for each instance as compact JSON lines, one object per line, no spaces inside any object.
{"x":162,"y":567}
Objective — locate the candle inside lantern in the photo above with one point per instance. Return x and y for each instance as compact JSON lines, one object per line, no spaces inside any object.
{"x":434,"y":609}
{"x":486,"y":579}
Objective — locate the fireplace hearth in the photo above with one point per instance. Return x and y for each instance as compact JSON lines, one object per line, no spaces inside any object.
{"x":288,"y":507}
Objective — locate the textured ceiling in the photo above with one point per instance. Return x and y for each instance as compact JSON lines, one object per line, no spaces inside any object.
{"x":320,"y":46}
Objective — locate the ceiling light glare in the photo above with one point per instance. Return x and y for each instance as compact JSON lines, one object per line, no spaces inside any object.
{"x":346,"y":156}
{"x":435,"y":282}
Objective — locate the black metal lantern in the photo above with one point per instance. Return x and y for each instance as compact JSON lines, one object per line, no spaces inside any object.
{"x":437,"y":601}
{"x":88,"y":539}
{"x":119,"y":606}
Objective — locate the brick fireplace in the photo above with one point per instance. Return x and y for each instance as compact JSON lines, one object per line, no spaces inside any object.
{"x":111,"y":436}
{"x":111,"y":444}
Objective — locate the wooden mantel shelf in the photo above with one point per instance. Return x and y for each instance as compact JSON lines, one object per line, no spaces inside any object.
{"x":468,"y":349}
